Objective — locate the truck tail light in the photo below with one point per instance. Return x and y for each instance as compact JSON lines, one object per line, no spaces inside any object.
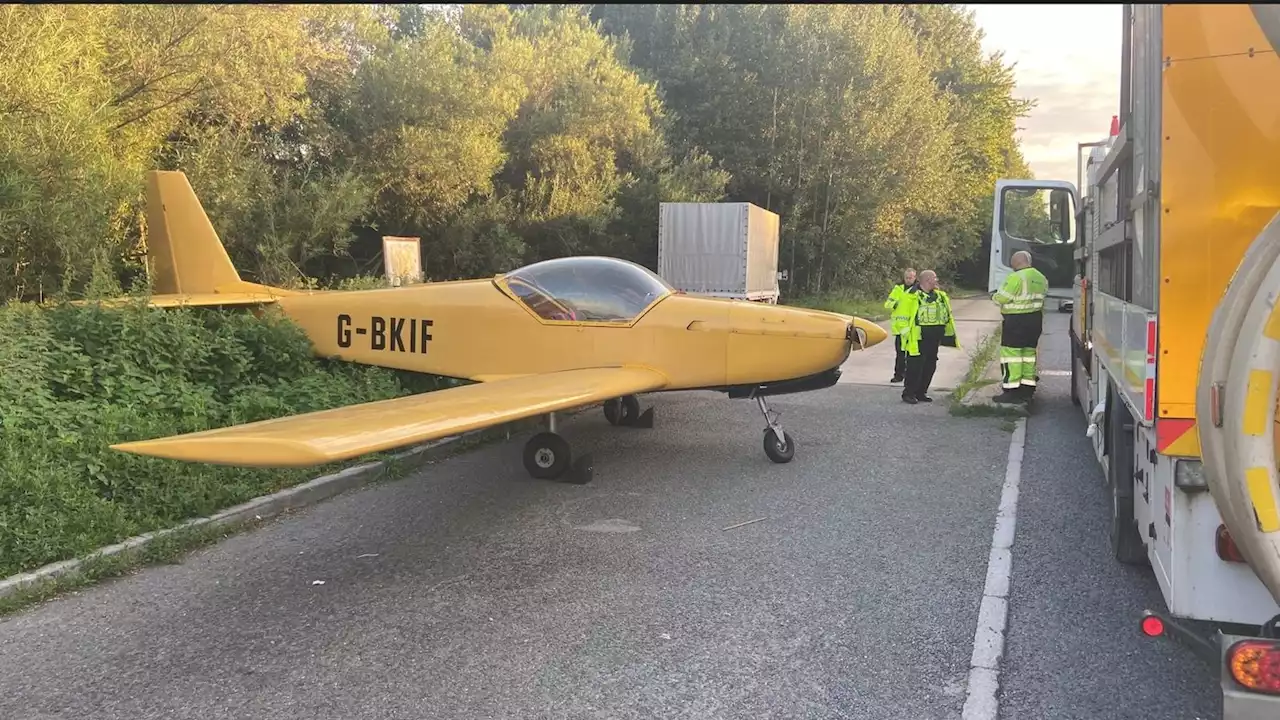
{"x":1255,"y":664}
{"x":1226,"y":546}
{"x":1152,"y":626}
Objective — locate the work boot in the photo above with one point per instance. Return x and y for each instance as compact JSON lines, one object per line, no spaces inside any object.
{"x":909,"y":399}
{"x":1007,"y":397}
{"x":897,"y":379}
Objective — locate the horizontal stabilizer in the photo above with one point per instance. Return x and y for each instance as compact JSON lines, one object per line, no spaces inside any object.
{"x":250,"y":294}
{"x":342,"y":433}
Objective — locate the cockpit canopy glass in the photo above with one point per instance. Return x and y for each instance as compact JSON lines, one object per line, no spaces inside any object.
{"x":587,"y":289}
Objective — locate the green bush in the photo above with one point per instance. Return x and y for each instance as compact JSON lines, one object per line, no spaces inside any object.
{"x":76,"y":379}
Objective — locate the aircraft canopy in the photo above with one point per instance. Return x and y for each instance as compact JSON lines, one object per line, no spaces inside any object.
{"x":587,"y":289}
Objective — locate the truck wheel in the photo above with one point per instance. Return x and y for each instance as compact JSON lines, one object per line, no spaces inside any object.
{"x":1075,"y":358}
{"x":1126,"y":542}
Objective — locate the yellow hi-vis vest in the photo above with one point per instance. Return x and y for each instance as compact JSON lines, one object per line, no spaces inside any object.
{"x":901,"y":315}
{"x":923,"y":312}
{"x":1022,"y":292}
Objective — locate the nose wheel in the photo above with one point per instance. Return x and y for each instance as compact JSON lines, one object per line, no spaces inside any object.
{"x":779,"y":445}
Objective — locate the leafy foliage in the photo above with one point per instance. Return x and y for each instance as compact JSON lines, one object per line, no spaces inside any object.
{"x":76,"y":379}
{"x":500,"y":134}
{"x":875,"y":131}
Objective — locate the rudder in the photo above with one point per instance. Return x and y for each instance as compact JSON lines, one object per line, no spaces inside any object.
{"x":183,"y":249}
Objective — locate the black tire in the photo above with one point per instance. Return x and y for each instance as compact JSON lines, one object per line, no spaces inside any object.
{"x":1126,"y":542}
{"x":630,"y":410}
{"x":613,"y":411}
{"x":777,"y":450}
{"x":1075,"y":375}
{"x":546,"y":456}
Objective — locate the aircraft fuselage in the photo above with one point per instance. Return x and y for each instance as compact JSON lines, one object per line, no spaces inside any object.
{"x":475,"y":329}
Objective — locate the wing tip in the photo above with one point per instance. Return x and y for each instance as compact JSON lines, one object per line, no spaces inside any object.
{"x":230,"y":452}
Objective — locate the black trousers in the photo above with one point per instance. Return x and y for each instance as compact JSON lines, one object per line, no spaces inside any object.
{"x":920,"y":368}
{"x":899,"y":358}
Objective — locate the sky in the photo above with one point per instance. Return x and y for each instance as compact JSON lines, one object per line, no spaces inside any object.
{"x":1067,"y":58}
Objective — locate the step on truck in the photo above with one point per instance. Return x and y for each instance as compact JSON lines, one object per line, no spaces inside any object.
{"x":1168,"y":259}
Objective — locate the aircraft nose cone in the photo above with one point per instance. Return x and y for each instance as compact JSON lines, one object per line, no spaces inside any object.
{"x":876,"y":334}
{"x":869,"y":332}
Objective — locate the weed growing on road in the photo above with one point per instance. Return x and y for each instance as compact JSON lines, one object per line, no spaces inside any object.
{"x":979,"y":358}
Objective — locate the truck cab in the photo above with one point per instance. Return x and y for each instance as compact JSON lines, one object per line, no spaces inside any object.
{"x":1038,"y":216}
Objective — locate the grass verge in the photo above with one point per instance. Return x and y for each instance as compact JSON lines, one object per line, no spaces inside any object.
{"x":868,"y":308}
{"x":76,"y":379}
{"x":171,"y":545}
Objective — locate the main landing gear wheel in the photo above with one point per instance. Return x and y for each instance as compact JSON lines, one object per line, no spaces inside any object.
{"x":625,"y":411}
{"x":779,"y":449}
{"x":622,"y":411}
{"x":779,"y":444}
{"x":547,"y":456}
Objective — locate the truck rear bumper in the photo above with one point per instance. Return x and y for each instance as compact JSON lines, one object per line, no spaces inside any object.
{"x":1238,"y":701}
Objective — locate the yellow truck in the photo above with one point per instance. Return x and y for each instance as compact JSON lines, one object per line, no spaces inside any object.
{"x":1169,"y":262}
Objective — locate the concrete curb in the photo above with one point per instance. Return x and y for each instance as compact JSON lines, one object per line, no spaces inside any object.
{"x":309,"y":493}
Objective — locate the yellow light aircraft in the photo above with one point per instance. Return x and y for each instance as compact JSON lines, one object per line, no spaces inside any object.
{"x":548,"y":337}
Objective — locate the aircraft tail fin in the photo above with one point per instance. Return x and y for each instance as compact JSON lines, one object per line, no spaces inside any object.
{"x":183,"y":249}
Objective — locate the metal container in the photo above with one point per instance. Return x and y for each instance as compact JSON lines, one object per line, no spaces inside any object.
{"x":719,"y":249}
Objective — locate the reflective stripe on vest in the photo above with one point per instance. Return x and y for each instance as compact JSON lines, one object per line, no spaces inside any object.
{"x":1025,"y":301}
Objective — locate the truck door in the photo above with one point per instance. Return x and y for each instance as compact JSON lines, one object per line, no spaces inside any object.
{"x":1038,"y":216}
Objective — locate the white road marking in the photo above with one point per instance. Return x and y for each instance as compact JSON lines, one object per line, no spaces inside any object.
{"x":1056,"y":373}
{"x":981,"y":700}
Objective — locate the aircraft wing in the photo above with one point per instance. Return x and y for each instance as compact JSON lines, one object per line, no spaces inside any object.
{"x":339,"y":434}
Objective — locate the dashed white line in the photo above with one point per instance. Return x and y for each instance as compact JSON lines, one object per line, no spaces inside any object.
{"x":982,"y":701}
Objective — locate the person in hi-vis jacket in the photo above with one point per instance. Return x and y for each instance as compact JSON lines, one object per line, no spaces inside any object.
{"x":1021,"y":301}
{"x":931,"y":325}
{"x":900,"y":320}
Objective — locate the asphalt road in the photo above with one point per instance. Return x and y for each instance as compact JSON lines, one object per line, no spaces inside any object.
{"x":1073,"y":648}
{"x":470,"y":591}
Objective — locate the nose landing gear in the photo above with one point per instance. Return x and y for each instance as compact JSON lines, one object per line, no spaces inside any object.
{"x":779,"y":445}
